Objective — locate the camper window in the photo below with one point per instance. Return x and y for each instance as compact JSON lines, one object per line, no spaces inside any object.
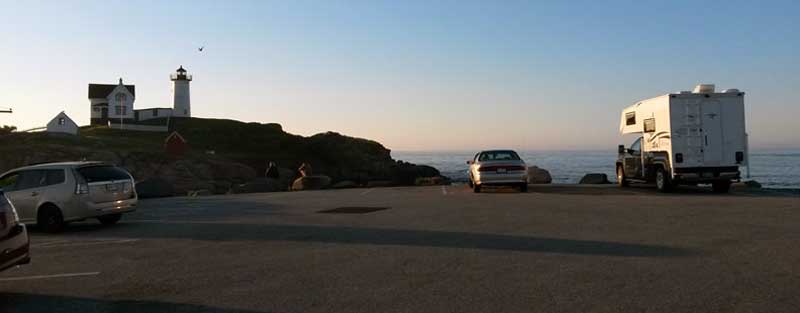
{"x":649,"y":125}
{"x":630,"y":118}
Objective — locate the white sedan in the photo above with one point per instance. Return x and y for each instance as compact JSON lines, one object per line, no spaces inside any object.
{"x":497,"y":168}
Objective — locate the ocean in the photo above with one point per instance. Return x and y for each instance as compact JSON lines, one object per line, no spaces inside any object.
{"x":771,"y":168}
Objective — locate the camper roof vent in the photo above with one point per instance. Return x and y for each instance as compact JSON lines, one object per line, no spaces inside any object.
{"x":731,"y":90}
{"x":704,"y":88}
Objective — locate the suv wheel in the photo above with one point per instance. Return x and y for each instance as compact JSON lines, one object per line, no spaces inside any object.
{"x":476,"y":188}
{"x":523,"y":187}
{"x":721,"y":186}
{"x":50,"y":219}
{"x":621,"y":177}
{"x":110,"y":219}
{"x":663,"y":181}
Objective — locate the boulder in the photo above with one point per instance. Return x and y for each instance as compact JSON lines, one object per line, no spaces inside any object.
{"x":537,"y":175}
{"x":260,"y":184}
{"x":748,"y":184}
{"x":314,"y":182}
{"x":154,"y":188}
{"x":379,"y":183}
{"x":595,"y":179}
{"x":199,"y":192}
{"x":432,"y":181}
{"x":345,"y":184}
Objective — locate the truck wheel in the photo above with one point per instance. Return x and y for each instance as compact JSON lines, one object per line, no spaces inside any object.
{"x":476,"y":188}
{"x":110,"y":219}
{"x":721,"y":186}
{"x":621,"y":177}
{"x":663,"y":181}
{"x":523,"y":187}
{"x":50,"y":219}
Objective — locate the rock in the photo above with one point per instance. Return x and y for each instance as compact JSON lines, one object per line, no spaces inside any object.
{"x":595,"y":179}
{"x":260,"y":184}
{"x":344,"y":184}
{"x":199,"y":192}
{"x":748,"y":184}
{"x":432,"y":181}
{"x":379,"y":183}
{"x":154,"y":188}
{"x":314,"y":182}
{"x":537,"y":175}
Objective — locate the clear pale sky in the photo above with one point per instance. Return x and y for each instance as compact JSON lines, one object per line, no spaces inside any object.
{"x":427,"y":75}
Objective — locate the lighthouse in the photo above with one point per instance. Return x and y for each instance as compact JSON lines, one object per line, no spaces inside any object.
{"x":180,"y":93}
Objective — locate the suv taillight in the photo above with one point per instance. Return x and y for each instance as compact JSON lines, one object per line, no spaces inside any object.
{"x":82,"y":189}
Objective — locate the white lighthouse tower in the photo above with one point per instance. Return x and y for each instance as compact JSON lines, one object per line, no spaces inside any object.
{"x":180,"y":93}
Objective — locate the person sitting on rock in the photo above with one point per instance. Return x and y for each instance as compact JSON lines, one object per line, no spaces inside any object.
{"x":305,"y":170}
{"x":272,"y":171}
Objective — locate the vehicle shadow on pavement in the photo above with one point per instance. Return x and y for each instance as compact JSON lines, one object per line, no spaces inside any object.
{"x":650,"y":190}
{"x":32,"y":303}
{"x":214,"y":231}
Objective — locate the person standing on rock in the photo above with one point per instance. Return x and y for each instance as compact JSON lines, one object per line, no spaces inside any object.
{"x":305,"y":170}
{"x":272,"y":171}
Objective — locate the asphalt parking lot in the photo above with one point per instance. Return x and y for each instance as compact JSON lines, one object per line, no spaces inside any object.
{"x":425,"y":249}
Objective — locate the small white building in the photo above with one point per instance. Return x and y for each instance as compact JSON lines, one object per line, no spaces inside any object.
{"x":62,"y":124}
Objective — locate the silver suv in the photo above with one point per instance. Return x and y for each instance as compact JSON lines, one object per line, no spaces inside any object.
{"x":51,"y":195}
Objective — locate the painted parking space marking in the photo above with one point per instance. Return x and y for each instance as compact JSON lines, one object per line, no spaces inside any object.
{"x":67,"y":243}
{"x":367,"y":191}
{"x":444,"y":190}
{"x":66,"y":275}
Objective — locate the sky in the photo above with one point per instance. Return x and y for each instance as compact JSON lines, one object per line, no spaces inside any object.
{"x":412,"y":75}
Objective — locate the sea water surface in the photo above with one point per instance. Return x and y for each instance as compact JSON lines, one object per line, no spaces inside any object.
{"x":771,"y":168}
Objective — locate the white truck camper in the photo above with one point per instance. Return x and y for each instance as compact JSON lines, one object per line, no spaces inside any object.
{"x":695,"y":137}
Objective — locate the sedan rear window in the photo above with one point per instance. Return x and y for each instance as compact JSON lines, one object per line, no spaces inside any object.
{"x":498,"y":156}
{"x":103,"y":173}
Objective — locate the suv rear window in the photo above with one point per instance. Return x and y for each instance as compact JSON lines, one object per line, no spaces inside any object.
{"x":102,"y":173}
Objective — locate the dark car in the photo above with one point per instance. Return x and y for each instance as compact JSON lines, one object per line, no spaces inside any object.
{"x":14,"y":242}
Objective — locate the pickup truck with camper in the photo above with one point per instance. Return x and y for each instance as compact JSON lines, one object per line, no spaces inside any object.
{"x":689,"y":138}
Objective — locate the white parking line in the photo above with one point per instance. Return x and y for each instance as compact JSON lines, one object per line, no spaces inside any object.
{"x":49,"y":276}
{"x":367,"y":191}
{"x":444,"y":190}
{"x":81,"y":243}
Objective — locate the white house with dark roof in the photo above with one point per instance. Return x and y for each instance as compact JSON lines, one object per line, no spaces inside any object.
{"x":62,"y":124}
{"x":112,"y":102}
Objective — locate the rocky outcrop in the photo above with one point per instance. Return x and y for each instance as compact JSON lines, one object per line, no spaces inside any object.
{"x":537,"y":175}
{"x":595,"y":179}
{"x":261,"y":184}
{"x":749,"y":184}
{"x":344,"y":184}
{"x":432,"y":181}
{"x":315,"y":182}
{"x":241,"y":154}
{"x":154,"y":188}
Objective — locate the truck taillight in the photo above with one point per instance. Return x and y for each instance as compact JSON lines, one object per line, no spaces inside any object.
{"x":739,"y":157}
{"x":82,"y":189}
{"x":678,"y":157}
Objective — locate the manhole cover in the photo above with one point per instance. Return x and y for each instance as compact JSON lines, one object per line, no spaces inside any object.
{"x":353,"y":210}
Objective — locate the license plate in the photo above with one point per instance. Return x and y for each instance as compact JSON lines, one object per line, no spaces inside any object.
{"x":501,"y":170}
{"x":112,"y":187}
